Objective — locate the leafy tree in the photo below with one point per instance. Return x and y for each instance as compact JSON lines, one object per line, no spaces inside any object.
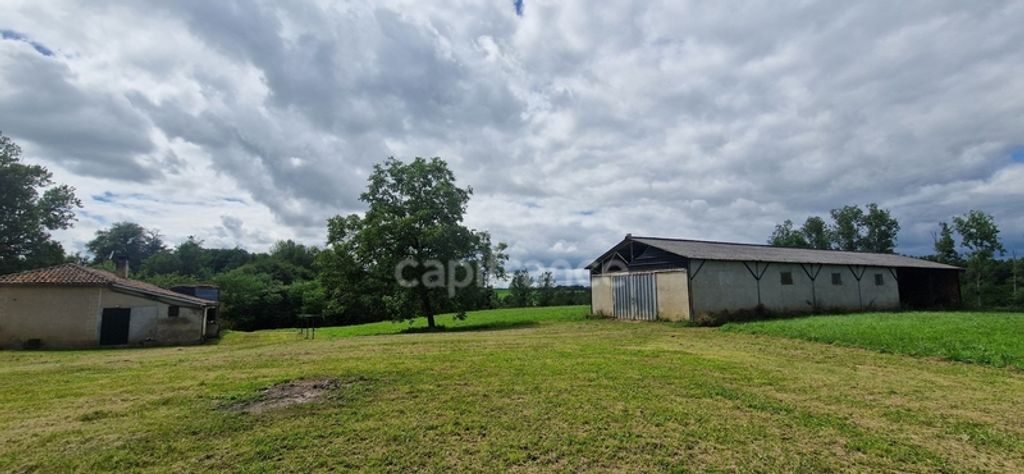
{"x":307,"y":297}
{"x":815,"y":233}
{"x":253,"y":300}
{"x":880,"y":230}
{"x":979,"y":234}
{"x":26,"y":216}
{"x":851,"y":229}
{"x":945,"y":246}
{"x":786,"y":236}
{"x":546,"y":291}
{"x":521,"y":289}
{"x":410,"y":249}
{"x":126,"y":239}
{"x":294,"y":253}
{"x":847,"y":227}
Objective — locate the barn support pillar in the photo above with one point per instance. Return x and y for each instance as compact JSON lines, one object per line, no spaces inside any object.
{"x":757,"y":272}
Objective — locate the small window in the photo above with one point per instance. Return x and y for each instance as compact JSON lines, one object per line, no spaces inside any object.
{"x":837,"y":279}
{"x":879,"y":281}
{"x":173,"y":311}
{"x":786,"y":278}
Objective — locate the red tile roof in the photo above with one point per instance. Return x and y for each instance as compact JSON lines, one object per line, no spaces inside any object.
{"x":71,"y":274}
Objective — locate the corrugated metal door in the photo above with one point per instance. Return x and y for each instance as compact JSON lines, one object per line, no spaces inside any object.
{"x":635,"y":296}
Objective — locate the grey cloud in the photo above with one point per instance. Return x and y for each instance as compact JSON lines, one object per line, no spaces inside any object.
{"x":692,"y":119}
{"x":87,"y":131}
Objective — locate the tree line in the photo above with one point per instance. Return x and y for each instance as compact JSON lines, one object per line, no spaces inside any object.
{"x":849,"y":228}
{"x":409,"y":254}
{"x":525,"y":291}
{"x":972,"y":242}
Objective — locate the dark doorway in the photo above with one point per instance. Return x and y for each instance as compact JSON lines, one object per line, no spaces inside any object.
{"x":114,"y":327}
{"x":922,"y":288}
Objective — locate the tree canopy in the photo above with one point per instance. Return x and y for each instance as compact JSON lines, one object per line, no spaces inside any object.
{"x":851,"y":228}
{"x":125,"y":239}
{"x":409,"y":253}
{"x":31,"y":205}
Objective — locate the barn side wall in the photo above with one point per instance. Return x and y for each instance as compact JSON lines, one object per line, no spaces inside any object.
{"x":57,"y":317}
{"x":71,"y":317}
{"x":151,"y":324}
{"x":673,"y":296}
{"x":601,"y":295}
{"x":729,"y":286}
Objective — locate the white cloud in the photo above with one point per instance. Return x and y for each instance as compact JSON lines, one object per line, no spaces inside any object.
{"x":574,"y":123}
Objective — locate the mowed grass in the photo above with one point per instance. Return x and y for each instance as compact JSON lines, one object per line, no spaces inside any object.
{"x":986,"y":338}
{"x":562,"y":395}
{"x":476,"y":321}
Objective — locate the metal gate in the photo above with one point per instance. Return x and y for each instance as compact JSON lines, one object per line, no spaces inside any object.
{"x":635,"y":297}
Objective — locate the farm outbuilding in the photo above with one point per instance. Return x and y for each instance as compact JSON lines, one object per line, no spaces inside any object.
{"x":72,"y":306}
{"x":676,"y":279}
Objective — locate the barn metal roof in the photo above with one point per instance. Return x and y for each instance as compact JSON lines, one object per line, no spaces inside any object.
{"x":708,"y":250}
{"x":70,"y":274}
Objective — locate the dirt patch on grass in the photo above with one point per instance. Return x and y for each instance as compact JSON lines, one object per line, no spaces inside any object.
{"x":283,"y":395}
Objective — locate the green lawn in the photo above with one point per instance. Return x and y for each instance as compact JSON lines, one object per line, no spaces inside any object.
{"x":987,"y":338}
{"x":476,"y":321}
{"x":560,"y":393}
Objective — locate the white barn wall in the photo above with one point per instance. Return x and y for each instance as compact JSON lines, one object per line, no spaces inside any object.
{"x":57,"y":317}
{"x":601,"y":303}
{"x":150,"y":322}
{"x":719,"y":286}
{"x":728,"y":285}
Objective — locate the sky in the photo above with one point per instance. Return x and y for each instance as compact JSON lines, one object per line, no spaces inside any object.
{"x":575,"y":123}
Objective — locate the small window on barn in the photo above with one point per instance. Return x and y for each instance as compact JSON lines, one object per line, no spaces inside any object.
{"x":173,"y":311}
{"x":879,"y":281}
{"x":837,"y":279}
{"x":786,"y":278}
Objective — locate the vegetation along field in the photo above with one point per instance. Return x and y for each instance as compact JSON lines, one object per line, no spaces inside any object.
{"x":539,"y":389}
{"x":986,"y":338}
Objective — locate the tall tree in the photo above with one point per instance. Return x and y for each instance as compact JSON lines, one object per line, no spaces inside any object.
{"x":410,"y":245}
{"x":546,"y":290}
{"x":979,"y":234}
{"x":126,"y":239}
{"x":815,"y":232}
{"x":880,"y":230}
{"x":26,"y":216}
{"x":786,"y":236}
{"x":945,"y":246}
{"x":294,"y":253}
{"x":847,"y":227}
{"x":520,"y":289}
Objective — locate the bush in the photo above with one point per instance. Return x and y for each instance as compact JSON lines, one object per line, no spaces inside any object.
{"x":719,"y":318}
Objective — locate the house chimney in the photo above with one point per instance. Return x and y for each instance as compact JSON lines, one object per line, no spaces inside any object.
{"x":121,"y":266}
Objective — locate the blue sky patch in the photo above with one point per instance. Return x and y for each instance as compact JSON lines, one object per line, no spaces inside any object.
{"x":1017,"y":154}
{"x":519,"y":7}
{"x":107,"y":196}
{"x":15,"y":36}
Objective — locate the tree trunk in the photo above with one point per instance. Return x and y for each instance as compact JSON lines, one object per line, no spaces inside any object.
{"x":977,"y":287}
{"x":428,"y":309}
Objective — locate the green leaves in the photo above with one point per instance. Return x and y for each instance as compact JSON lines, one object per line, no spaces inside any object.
{"x":411,"y":231}
{"x":25,"y":216}
{"x":851,"y":229}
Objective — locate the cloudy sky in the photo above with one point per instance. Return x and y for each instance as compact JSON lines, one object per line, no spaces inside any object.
{"x":575,"y":122}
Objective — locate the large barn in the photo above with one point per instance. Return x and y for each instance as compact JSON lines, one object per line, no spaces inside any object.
{"x":675,"y":279}
{"x":71,"y":306}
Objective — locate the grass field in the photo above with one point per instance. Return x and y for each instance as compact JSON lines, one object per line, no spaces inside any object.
{"x":987,"y":338}
{"x":478,"y":321}
{"x":561,"y":393}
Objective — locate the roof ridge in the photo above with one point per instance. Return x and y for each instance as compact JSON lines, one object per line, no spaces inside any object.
{"x":720,"y":242}
{"x":76,"y":274}
{"x":31,"y":270}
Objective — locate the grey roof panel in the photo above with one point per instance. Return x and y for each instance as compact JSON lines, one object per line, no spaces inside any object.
{"x":706,"y":250}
